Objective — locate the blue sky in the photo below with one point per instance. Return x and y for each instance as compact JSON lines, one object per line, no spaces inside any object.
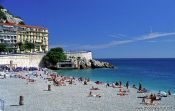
{"x":109,"y":28}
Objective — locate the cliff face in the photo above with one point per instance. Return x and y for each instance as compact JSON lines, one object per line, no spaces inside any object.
{"x":100,"y":64}
{"x":84,"y":64}
{"x":6,"y":16}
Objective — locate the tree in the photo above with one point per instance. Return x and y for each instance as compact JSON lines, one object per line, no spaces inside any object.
{"x":43,"y":47}
{"x":2,"y":15}
{"x":21,"y":23}
{"x":21,"y":46}
{"x":53,"y":57}
{"x":29,"y":46}
{"x":2,"y":47}
{"x":9,"y":49}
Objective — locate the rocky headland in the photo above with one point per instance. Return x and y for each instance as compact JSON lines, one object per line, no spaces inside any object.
{"x":84,"y":64}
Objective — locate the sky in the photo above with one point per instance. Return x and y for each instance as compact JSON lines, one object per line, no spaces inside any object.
{"x":108,"y":28}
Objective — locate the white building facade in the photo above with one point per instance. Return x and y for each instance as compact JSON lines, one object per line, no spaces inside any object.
{"x":79,"y":55}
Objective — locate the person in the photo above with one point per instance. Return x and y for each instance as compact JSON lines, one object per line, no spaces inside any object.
{"x":94,"y":88}
{"x":93,"y":95}
{"x":134,"y":86}
{"x":113,"y":85}
{"x":71,"y":82}
{"x":116,"y":83}
{"x":122,"y":93}
{"x":4,"y":76}
{"x":152,"y":98}
{"x":88,"y":80}
{"x":90,"y":93}
{"x":143,"y":100}
{"x":85,"y":82}
{"x":169,"y":93}
{"x":107,"y":85}
{"x":140,"y":86}
{"x":120,"y":83}
{"x":127,"y":84}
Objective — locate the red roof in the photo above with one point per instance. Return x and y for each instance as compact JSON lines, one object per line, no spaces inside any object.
{"x":28,"y":26}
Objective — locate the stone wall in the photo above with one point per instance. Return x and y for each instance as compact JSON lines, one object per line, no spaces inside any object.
{"x":82,"y":54}
{"x":22,"y":60}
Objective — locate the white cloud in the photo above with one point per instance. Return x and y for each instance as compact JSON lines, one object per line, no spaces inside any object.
{"x":148,"y":37}
{"x":155,"y":35}
{"x":117,"y":36}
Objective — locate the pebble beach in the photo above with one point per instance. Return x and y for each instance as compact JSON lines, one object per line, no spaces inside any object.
{"x":74,"y":97}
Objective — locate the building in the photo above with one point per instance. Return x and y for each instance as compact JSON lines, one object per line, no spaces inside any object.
{"x":8,"y":34}
{"x":12,"y":34}
{"x":76,"y":59}
{"x":79,"y":55}
{"x":68,"y":64}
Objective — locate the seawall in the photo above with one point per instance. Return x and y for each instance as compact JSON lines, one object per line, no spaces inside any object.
{"x":81,"y":54}
{"x":22,"y":60}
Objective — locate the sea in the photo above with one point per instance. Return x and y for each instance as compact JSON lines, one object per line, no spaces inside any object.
{"x":154,"y":74}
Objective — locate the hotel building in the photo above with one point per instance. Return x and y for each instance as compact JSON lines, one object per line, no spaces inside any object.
{"x":12,"y":34}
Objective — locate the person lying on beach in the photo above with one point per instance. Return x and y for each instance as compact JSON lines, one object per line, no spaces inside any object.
{"x":114,"y":86}
{"x":152,"y":99}
{"x":122,"y":93}
{"x":98,"y":82}
{"x":58,"y":82}
{"x":94,"y":88}
{"x":71,"y":82}
{"x":94,"y":95}
{"x":80,"y":79}
{"x":143,"y":90}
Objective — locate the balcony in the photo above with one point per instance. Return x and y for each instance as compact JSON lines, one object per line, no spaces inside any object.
{"x":7,"y":39}
{"x":39,"y":41}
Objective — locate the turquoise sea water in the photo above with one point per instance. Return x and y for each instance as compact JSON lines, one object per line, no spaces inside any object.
{"x":154,"y":74}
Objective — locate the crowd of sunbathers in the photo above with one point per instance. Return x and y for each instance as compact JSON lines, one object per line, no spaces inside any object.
{"x":59,"y":80}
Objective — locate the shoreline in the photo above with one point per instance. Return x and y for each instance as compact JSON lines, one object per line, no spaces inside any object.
{"x":60,"y":97}
{"x":155,"y":90}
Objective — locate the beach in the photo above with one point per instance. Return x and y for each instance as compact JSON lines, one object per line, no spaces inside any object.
{"x":74,"y":97}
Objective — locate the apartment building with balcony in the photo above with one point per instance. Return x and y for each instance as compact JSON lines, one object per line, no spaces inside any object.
{"x":8,"y":35}
{"x":14,"y":33}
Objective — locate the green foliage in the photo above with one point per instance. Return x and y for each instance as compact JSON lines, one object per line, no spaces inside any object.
{"x":25,"y":46}
{"x":53,"y":56}
{"x":29,"y":46}
{"x":43,"y":47}
{"x":2,"y":15}
{"x":21,"y":23}
{"x":2,"y":47}
{"x":21,"y":46}
{"x":9,"y":49}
